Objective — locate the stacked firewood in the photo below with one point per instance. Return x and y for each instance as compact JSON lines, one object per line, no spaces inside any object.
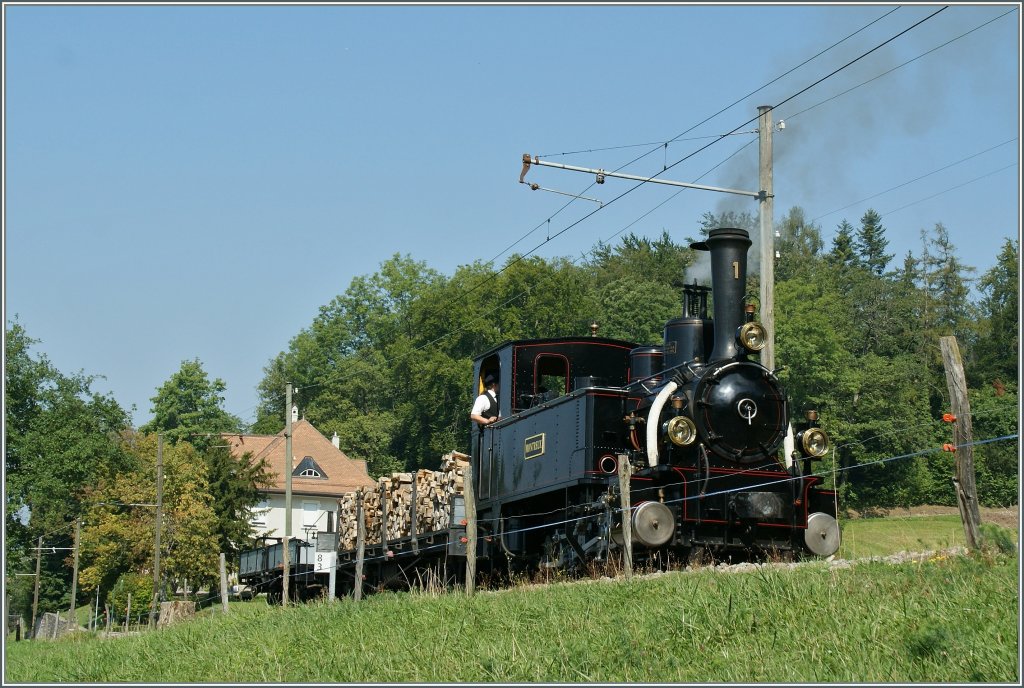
{"x":392,"y":500}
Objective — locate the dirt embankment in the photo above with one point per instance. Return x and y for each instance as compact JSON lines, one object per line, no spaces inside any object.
{"x":1008,"y":517}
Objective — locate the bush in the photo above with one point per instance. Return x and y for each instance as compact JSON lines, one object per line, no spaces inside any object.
{"x":141,"y":589}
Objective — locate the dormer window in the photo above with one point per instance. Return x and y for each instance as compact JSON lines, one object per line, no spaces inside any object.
{"x":308,"y":468}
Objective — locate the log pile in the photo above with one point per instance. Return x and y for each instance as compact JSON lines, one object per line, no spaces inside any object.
{"x":434,"y":491}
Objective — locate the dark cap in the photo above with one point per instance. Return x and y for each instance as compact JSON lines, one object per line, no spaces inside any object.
{"x":490,"y":378}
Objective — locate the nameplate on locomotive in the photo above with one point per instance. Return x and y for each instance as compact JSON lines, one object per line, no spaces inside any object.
{"x":533,"y":447}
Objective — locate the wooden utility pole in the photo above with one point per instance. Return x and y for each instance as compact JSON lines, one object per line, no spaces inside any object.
{"x":154,"y":605}
{"x":766,"y":205}
{"x":286,"y":558}
{"x":72,"y":617}
{"x":128,"y":613}
{"x":223,"y":582}
{"x":963,"y":479}
{"x":625,"y":473}
{"x":469,"y":495}
{"x":35,"y":595}
{"x":360,"y":545}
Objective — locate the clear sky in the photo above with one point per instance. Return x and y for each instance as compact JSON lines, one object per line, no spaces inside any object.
{"x":196,"y":181}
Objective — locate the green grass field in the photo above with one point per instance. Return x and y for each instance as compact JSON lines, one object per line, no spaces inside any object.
{"x":871,"y":537}
{"x":950,"y":619}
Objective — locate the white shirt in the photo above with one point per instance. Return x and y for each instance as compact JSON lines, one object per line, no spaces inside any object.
{"x":482,"y":403}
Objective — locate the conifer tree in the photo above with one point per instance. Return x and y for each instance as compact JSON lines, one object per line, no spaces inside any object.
{"x":871,"y":243}
{"x":842,"y":253}
{"x":998,"y":349}
{"x":948,"y":287}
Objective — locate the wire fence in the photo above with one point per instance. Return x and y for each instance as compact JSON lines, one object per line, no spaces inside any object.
{"x":106,"y":621}
{"x":493,"y":523}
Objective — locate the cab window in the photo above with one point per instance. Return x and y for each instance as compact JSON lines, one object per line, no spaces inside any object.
{"x":550,"y":376}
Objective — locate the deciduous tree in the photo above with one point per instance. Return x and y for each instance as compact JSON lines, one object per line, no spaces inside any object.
{"x":60,"y":438}
{"x":189,"y":406}
{"x":118,"y":535}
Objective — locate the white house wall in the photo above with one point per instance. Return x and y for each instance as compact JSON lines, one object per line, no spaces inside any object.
{"x":309,"y":515}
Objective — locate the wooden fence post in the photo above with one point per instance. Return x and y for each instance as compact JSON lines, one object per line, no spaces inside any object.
{"x":625,"y":472}
{"x":128,"y":613}
{"x":360,"y":545}
{"x":469,"y":496}
{"x":963,"y":480}
{"x":224,"y":582}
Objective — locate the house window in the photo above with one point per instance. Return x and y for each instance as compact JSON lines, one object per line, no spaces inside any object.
{"x":259,"y":514}
{"x":308,"y":468}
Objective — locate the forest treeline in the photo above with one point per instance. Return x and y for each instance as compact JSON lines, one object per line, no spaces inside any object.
{"x":387,"y":365}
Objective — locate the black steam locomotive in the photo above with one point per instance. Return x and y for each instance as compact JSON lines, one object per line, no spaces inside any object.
{"x":699,"y":421}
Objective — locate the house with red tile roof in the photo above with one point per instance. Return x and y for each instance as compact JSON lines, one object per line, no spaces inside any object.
{"x":321,"y":473}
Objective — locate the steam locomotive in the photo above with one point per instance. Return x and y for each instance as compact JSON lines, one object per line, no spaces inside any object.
{"x":693,"y":427}
{"x":698,"y":421}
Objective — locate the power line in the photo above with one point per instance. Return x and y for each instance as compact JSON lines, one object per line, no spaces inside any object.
{"x":916,"y":179}
{"x":952,"y":188}
{"x":889,"y":71}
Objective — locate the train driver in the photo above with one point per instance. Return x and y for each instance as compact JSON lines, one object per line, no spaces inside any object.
{"x":485,"y":409}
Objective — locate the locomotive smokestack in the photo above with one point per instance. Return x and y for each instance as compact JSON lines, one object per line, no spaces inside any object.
{"x":728,"y":247}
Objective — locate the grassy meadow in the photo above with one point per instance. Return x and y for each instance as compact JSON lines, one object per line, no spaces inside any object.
{"x":946,"y":619}
{"x":873,"y":537}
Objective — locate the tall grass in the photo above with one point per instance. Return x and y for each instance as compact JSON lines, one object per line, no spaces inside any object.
{"x":946,"y":620}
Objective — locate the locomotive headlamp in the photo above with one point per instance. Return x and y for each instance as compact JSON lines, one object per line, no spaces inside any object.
{"x":682,"y":431}
{"x":751,"y":336}
{"x":814,"y":442}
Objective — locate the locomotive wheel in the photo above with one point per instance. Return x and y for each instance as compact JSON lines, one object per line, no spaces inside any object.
{"x":822,"y":535}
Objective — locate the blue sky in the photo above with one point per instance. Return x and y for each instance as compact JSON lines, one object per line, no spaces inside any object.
{"x":196,"y":181}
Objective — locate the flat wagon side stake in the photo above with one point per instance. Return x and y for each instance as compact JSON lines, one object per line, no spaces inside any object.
{"x":470,"y":497}
{"x":360,"y":545}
